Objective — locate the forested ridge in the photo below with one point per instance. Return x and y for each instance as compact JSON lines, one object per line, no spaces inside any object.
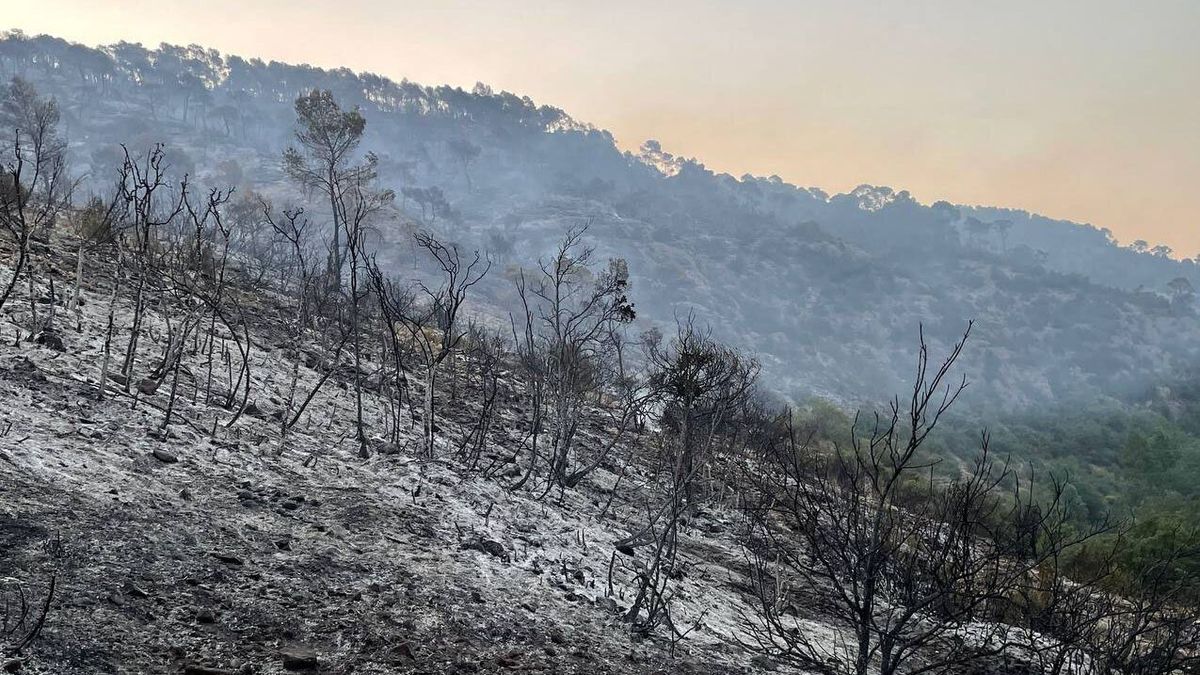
{"x":1065,"y":313}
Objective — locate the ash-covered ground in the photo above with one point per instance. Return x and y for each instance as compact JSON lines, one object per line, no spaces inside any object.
{"x":207,"y":548}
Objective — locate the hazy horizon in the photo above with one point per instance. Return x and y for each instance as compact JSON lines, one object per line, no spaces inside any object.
{"x":1083,"y":111}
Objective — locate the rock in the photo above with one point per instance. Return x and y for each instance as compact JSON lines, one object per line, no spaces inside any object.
{"x":489,"y":546}
{"x":404,"y":650}
{"x":164,"y":456}
{"x":510,"y":660}
{"x":763,"y":662}
{"x":196,"y":669}
{"x":29,"y":370}
{"x":50,"y":339}
{"x":298,"y":658}
{"x":228,"y":559}
{"x":496,"y":549}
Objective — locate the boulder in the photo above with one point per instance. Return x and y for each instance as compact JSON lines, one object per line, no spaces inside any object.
{"x":298,"y":658}
{"x":50,"y":339}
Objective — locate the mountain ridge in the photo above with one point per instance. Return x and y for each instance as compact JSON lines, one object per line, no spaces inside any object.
{"x":853,"y":273}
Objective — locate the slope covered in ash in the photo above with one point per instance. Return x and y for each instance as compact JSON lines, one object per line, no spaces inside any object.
{"x":210,"y":546}
{"x":165,"y":530}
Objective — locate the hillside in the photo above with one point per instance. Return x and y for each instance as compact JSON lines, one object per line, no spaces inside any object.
{"x":169,"y":533}
{"x":200,"y":547}
{"x":1066,"y":315}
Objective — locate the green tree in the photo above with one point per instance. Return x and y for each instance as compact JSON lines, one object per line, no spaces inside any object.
{"x":328,"y":136}
{"x":1149,"y":455}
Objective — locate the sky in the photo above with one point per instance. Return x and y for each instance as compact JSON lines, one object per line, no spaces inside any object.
{"x":1087,"y":110}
